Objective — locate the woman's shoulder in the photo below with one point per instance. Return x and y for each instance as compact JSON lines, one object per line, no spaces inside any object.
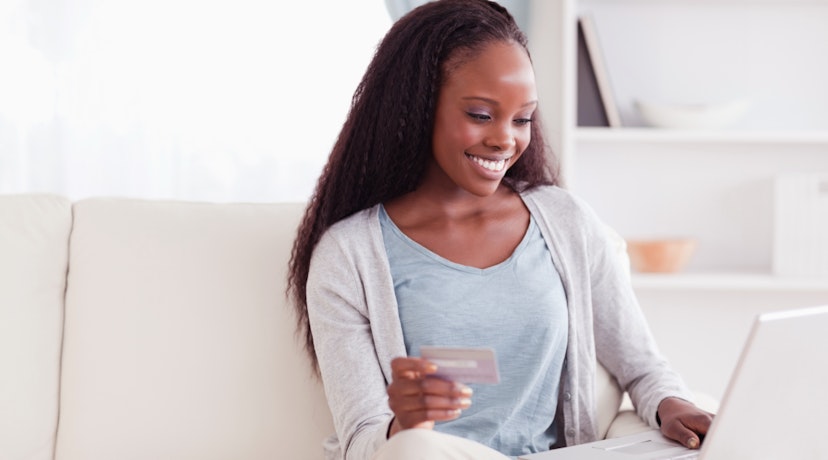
{"x":564,"y":212}
{"x":356,"y":222}
{"x":561,"y":201}
{"x":352,"y":231}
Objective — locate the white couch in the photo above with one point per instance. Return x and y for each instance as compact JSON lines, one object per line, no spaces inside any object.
{"x":134,"y":329}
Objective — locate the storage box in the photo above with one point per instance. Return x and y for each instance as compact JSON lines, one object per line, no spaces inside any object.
{"x":801,"y":225}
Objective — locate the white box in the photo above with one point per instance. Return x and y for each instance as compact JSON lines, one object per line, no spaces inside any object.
{"x":801,"y":225}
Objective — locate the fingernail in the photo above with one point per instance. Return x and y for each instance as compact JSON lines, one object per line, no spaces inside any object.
{"x":465,"y":402}
{"x":431,"y":367}
{"x":465,"y":391}
{"x":692,"y":443}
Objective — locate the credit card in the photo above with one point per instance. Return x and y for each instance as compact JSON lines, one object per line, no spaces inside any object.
{"x":463,"y":365}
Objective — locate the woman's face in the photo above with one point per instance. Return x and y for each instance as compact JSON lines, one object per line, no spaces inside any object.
{"x":483,"y":118}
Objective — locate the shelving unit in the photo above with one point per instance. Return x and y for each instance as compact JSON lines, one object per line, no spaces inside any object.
{"x":665,"y":136}
{"x":723,"y":281}
{"x":714,"y":185}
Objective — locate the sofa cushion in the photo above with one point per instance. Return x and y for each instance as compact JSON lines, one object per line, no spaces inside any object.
{"x":34,"y":246}
{"x":608,"y":397}
{"x":178,"y":340}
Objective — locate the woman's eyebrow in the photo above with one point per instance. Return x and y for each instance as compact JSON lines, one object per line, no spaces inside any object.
{"x":494,"y":102}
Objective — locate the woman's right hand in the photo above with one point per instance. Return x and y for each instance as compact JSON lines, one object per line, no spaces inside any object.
{"x":418,"y":398}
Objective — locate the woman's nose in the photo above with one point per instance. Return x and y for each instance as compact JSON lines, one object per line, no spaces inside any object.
{"x":500,"y":136}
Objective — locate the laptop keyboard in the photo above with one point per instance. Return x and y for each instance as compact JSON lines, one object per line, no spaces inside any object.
{"x":687,"y":456}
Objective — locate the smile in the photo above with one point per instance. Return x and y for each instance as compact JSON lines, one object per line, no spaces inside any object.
{"x":491,"y":165}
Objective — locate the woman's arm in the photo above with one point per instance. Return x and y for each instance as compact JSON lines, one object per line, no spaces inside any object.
{"x":348,"y":362}
{"x":626,"y":347}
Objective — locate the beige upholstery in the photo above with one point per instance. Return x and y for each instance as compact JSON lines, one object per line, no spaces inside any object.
{"x":34,"y":243}
{"x":608,"y":400}
{"x":177,"y":342}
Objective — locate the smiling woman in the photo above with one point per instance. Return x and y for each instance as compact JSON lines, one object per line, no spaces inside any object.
{"x":438,"y":221}
{"x":487,"y":115}
{"x":182,"y":99}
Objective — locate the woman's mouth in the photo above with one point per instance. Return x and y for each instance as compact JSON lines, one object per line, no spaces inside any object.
{"x":491,"y":165}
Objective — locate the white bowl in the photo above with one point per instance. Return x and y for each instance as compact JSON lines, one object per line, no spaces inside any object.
{"x":692,"y":116}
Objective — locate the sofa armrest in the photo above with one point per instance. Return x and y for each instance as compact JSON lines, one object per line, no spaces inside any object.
{"x":34,"y":249}
{"x":626,"y":422}
{"x":608,"y":399}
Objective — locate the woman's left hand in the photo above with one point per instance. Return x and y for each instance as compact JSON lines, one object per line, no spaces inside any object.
{"x":683,"y":421}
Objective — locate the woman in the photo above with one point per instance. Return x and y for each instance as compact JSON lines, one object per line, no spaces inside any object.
{"x":437,"y":221}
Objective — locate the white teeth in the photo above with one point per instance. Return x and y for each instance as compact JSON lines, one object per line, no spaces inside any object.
{"x":495,"y":166}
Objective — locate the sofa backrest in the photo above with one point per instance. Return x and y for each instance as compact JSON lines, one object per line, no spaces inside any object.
{"x":34,"y":247}
{"x":178,"y":340}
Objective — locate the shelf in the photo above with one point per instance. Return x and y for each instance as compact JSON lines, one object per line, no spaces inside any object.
{"x":716,"y":184}
{"x":656,"y":135}
{"x":711,"y":2}
{"x":728,"y":282}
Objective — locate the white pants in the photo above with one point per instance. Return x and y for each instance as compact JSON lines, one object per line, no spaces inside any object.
{"x":424,"y":444}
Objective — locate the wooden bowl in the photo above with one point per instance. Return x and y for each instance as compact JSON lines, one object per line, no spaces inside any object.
{"x":660,"y":255}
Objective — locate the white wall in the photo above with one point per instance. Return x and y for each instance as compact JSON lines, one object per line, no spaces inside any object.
{"x":184,"y":99}
{"x":702,"y":331}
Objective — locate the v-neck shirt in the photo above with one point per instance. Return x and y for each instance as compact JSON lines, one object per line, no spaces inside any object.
{"x":517,"y":307}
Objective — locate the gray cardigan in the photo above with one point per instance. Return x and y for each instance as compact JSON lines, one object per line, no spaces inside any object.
{"x":356,"y":327}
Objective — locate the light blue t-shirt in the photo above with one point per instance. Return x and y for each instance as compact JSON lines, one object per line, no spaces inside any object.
{"x":517,"y":307}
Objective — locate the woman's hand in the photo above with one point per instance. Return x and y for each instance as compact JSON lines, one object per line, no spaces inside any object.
{"x":683,"y":421}
{"x":418,"y":398}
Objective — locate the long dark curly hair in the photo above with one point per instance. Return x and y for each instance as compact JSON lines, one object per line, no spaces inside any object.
{"x":385,"y":143}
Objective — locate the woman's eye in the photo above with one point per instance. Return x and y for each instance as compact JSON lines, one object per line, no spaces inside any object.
{"x":523,"y":121}
{"x":479,"y":116}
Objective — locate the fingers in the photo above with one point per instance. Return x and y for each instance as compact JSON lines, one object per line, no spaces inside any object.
{"x":410,"y":368}
{"x":413,"y":410}
{"x":682,"y":434}
{"x":415,"y":396}
{"x":422,"y":401}
{"x":695,"y":428}
{"x":683,"y":421}
{"x":699,"y":422}
{"x":433,"y":398}
{"x":689,"y":431}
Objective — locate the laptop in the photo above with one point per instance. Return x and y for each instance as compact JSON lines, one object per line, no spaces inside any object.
{"x":775,"y":405}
